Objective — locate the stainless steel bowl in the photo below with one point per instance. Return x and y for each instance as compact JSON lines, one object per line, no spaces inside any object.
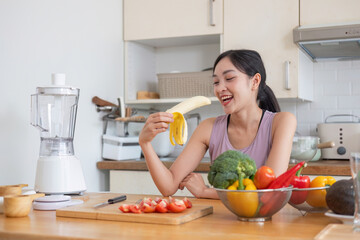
{"x":255,"y":205}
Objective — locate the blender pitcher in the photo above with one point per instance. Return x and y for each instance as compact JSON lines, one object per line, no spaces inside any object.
{"x":53,"y":112}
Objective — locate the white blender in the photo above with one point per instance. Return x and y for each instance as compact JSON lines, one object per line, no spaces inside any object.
{"x":53,"y":111}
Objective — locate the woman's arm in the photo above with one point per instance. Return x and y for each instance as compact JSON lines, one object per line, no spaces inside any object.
{"x":168,"y":180}
{"x":283,"y":130}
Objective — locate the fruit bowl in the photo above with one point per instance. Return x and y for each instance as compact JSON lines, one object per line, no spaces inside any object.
{"x":309,"y":199}
{"x":254,"y":205}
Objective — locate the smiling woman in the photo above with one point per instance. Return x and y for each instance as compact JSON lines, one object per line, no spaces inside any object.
{"x":252,"y":124}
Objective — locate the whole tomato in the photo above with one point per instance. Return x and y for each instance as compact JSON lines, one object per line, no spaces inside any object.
{"x":263,"y":177}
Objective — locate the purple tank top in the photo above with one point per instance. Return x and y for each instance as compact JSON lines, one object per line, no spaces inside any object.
{"x":258,"y":150}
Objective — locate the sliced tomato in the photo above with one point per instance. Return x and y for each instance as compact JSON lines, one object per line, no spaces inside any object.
{"x":134,"y":209}
{"x":124,"y":208}
{"x":148,"y":208}
{"x":161,"y":207}
{"x":177,"y":206}
{"x":187,"y":202}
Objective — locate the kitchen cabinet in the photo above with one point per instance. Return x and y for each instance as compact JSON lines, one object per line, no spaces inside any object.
{"x":140,"y":182}
{"x":266,"y":26}
{"x":329,"y":12}
{"x":168,"y":36}
{"x":152,"y":19}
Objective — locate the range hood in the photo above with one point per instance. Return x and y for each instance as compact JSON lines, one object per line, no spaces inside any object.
{"x":340,"y":42}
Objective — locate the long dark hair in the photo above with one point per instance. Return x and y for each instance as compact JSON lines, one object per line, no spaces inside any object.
{"x":250,"y":63}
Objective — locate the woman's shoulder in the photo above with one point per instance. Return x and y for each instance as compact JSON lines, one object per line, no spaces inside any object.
{"x":284,"y":119}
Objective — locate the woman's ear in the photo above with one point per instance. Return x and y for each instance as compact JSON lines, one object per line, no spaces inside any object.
{"x":256,"y":79}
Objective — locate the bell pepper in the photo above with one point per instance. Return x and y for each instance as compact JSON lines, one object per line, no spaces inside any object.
{"x":298,"y":197}
{"x":270,"y":200}
{"x":244,"y":203}
{"x":317,"y":198}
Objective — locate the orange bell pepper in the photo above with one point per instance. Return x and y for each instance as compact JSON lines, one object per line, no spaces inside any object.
{"x":317,"y":198}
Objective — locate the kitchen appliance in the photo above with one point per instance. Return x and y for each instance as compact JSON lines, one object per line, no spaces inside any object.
{"x":341,"y":42}
{"x":53,"y":112}
{"x":345,"y":134}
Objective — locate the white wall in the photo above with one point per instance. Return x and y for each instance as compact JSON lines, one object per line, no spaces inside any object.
{"x":336,"y":91}
{"x":82,"y":38}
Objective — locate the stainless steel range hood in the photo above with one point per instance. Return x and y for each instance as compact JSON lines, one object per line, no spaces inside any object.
{"x":340,"y":42}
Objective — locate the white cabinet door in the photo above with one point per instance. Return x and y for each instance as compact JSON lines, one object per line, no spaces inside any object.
{"x":150,"y":19}
{"x":314,"y":12}
{"x":266,"y":26}
{"x":139,"y":182}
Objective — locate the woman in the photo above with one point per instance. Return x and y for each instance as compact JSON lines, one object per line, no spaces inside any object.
{"x":252,"y":124}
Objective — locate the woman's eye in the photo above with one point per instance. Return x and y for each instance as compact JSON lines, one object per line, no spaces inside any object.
{"x":229,"y":78}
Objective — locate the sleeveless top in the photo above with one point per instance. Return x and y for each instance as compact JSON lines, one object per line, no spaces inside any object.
{"x":258,"y":150}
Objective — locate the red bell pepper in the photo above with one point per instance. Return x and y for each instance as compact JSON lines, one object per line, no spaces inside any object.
{"x":270,"y":200}
{"x":298,"y":197}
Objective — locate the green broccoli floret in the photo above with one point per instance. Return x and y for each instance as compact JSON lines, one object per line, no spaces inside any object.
{"x":229,"y":167}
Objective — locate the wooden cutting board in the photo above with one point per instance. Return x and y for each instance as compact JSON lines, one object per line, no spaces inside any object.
{"x":111,"y":212}
{"x":338,"y":231}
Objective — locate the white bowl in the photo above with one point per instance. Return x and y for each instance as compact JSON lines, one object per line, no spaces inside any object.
{"x":162,"y":145}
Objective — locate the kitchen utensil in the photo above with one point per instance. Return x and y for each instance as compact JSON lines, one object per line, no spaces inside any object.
{"x":53,"y":202}
{"x":304,"y":148}
{"x":6,"y":190}
{"x":111,"y":201}
{"x":112,"y":212}
{"x":19,"y":205}
{"x":305,"y":207}
{"x":345,"y":134}
{"x":245,"y":203}
{"x":355,"y":173}
{"x":54,"y":114}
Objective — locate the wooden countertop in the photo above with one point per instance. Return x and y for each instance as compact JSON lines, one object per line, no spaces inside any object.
{"x":322,"y":167}
{"x":288,"y":223}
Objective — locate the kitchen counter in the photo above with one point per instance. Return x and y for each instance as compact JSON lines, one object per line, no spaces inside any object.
{"x":322,"y":167}
{"x":288,"y":223}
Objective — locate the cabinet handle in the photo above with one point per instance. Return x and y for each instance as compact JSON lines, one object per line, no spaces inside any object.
{"x":211,"y":12}
{"x":287,"y":75}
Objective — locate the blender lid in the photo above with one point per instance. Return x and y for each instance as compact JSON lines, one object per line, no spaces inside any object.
{"x":58,"y":86}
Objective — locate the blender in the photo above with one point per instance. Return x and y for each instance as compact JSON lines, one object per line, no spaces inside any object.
{"x":53,"y":112}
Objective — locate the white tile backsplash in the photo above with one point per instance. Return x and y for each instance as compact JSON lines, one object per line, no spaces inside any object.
{"x":336,"y":91}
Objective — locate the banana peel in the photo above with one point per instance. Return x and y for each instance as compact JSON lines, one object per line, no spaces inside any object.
{"x":178,"y":128}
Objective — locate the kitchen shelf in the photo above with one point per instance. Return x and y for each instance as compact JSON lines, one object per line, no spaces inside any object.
{"x":163,"y":100}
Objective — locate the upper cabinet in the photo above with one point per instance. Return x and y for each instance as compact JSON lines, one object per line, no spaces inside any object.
{"x":329,"y":12}
{"x":163,"y":36}
{"x":266,"y":26}
{"x":152,"y":19}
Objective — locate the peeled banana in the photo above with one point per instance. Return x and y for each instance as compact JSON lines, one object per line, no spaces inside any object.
{"x":178,"y":128}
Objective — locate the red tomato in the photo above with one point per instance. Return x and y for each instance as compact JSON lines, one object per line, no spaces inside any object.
{"x":161,"y":207}
{"x":134,"y":209}
{"x":124,"y":208}
{"x":187,"y":202}
{"x":148,"y":208}
{"x":263,"y":177}
{"x":177,"y":206}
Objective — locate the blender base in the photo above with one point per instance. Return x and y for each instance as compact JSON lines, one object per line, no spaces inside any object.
{"x":59,"y":175}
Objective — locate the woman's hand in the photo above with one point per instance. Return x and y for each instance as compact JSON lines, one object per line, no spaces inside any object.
{"x":195,"y":184}
{"x":155,"y":124}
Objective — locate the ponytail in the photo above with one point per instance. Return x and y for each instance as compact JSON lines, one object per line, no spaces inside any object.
{"x":267,"y":99}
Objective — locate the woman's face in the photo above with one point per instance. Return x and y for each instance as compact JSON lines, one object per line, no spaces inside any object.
{"x":231,"y":87}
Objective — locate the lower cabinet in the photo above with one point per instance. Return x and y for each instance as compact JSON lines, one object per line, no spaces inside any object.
{"x":139,"y":182}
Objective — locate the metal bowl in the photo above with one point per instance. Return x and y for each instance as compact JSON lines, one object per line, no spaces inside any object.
{"x":254,"y":205}
{"x":305,"y":207}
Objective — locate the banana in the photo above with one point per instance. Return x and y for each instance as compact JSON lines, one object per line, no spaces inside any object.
{"x":178,"y":128}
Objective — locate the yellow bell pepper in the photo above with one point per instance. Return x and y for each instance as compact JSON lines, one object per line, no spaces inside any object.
{"x":317,"y":198}
{"x":244,"y":203}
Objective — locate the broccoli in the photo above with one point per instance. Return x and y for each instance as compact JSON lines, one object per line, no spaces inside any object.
{"x":229,"y":167}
